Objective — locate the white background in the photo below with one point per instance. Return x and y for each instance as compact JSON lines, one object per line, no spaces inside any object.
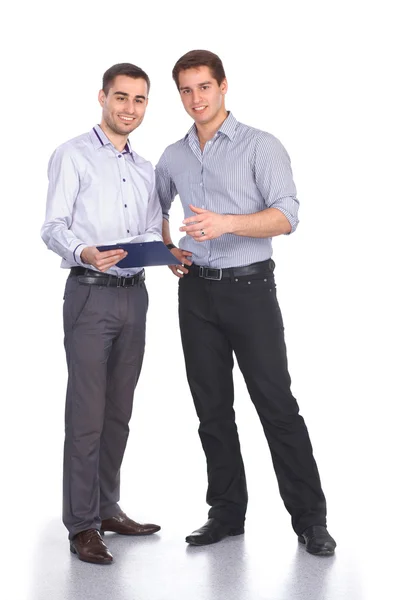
{"x":323,"y":78}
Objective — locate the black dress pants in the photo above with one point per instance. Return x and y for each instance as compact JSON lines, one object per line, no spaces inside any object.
{"x":241,"y":315}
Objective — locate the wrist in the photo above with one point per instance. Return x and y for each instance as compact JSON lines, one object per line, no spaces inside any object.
{"x":81,"y":255}
{"x":170,"y":246}
{"x":229,"y":223}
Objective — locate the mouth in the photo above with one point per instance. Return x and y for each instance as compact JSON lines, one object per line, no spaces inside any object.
{"x":199,"y":109}
{"x":126,"y":119}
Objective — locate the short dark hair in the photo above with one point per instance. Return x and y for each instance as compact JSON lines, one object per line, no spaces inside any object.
{"x":199,"y":58}
{"x":123,"y":69}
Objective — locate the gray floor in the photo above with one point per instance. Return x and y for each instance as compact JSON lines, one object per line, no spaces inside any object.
{"x":255,"y":566}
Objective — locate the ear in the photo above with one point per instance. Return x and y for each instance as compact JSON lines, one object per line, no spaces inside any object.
{"x":224,"y":86}
{"x":102,"y":98}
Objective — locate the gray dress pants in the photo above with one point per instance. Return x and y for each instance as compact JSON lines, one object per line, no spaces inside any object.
{"x":104,"y":342}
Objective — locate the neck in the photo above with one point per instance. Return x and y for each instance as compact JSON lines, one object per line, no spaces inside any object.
{"x":206,"y":131}
{"x":118,"y":140}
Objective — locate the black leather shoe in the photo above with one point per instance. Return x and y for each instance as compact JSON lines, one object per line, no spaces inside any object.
{"x":213,"y":531}
{"x":318,"y":541}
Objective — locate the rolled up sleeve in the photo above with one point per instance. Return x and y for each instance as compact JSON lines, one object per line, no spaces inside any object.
{"x":274,"y":178}
{"x":165,"y":186}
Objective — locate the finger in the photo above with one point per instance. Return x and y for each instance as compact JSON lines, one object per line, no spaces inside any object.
{"x":181,"y":268}
{"x":104,"y":265}
{"x":175,"y":271}
{"x":192,"y":220}
{"x":189,"y":228}
{"x":196,"y":219}
{"x":110,"y":253}
{"x":198,"y":237}
{"x":196,"y":209}
{"x":111,"y":260}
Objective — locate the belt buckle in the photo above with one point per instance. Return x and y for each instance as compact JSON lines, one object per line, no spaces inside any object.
{"x":128,"y":281}
{"x":205,"y":273}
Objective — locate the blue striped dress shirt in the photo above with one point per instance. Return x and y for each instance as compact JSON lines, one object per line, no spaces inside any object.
{"x":98,"y":196}
{"x":241,"y":171}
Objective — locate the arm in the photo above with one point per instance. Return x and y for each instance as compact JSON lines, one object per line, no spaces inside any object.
{"x":266,"y":223}
{"x":167,"y":191}
{"x":273,"y":177}
{"x":154,"y":216}
{"x":61,"y":197}
{"x":166,"y":232}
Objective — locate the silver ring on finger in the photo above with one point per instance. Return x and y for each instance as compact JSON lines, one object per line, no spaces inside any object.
{"x":202,"y":232}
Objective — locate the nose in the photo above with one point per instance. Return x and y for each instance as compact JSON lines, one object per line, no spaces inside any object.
{"x":196,"y":96}
{"x":131,"y":107}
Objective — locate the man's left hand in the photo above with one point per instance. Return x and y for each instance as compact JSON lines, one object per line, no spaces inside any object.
{"x":206,"y":225}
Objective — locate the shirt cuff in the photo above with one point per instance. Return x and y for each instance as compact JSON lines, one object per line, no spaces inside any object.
{"x":292,"y":220}
{"x":77,"y":254}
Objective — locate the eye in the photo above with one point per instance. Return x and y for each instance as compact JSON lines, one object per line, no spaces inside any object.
{"x":120,"y":98}
{"x":139,"y":101}
{"x":205,"y":87}
{"x":185,"y":91}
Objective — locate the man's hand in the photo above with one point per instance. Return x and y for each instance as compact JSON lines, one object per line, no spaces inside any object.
{"x":182,"y":256}
{"x":206,"y":225}
{"x":102,"y":260}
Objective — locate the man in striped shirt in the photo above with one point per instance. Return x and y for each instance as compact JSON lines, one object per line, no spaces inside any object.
{"x":237,"y":191}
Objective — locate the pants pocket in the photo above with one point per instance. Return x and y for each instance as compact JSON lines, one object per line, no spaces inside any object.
{"x":76,"y":299}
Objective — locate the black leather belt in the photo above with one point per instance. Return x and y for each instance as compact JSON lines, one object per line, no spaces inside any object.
{"x":90,"y":277}
{"x":260,"y":268}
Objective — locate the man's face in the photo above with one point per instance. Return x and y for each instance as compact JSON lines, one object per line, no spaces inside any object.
{"x":201,"y":95}
{"x":125,"y":104}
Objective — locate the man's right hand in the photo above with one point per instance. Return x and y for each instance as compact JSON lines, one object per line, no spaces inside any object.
{"x":102,"y":260}
{"x":183,"y":257}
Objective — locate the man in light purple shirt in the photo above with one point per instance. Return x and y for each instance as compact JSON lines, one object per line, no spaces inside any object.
{"x":101,"y":192}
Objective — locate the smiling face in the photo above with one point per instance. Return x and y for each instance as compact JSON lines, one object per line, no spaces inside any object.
{"x":124,"y":106}
{"x":202,"y":96}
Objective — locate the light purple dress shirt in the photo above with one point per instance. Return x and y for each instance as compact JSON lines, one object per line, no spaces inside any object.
{"x":97,"y":196}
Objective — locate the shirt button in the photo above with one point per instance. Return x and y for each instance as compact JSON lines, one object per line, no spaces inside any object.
{"x":127,"y":231}
{"x":119,"y":155}
{"x":123,"y":179}
{"x":126,"y":206}
{"x":201,"y":185}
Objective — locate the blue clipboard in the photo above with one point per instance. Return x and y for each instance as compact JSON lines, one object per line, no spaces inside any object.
{"x":145,"y":254}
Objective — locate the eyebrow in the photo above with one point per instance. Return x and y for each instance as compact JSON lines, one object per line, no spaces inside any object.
{"x":127,"y":95}
{"x":198,"y":85}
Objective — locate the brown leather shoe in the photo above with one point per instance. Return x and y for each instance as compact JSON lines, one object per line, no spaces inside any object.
{"x":89,"y":547}
{"x":123,"y":525}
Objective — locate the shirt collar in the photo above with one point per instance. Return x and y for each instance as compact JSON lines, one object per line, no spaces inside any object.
{"x":100,"y":139}
{"x":228,"y":128}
